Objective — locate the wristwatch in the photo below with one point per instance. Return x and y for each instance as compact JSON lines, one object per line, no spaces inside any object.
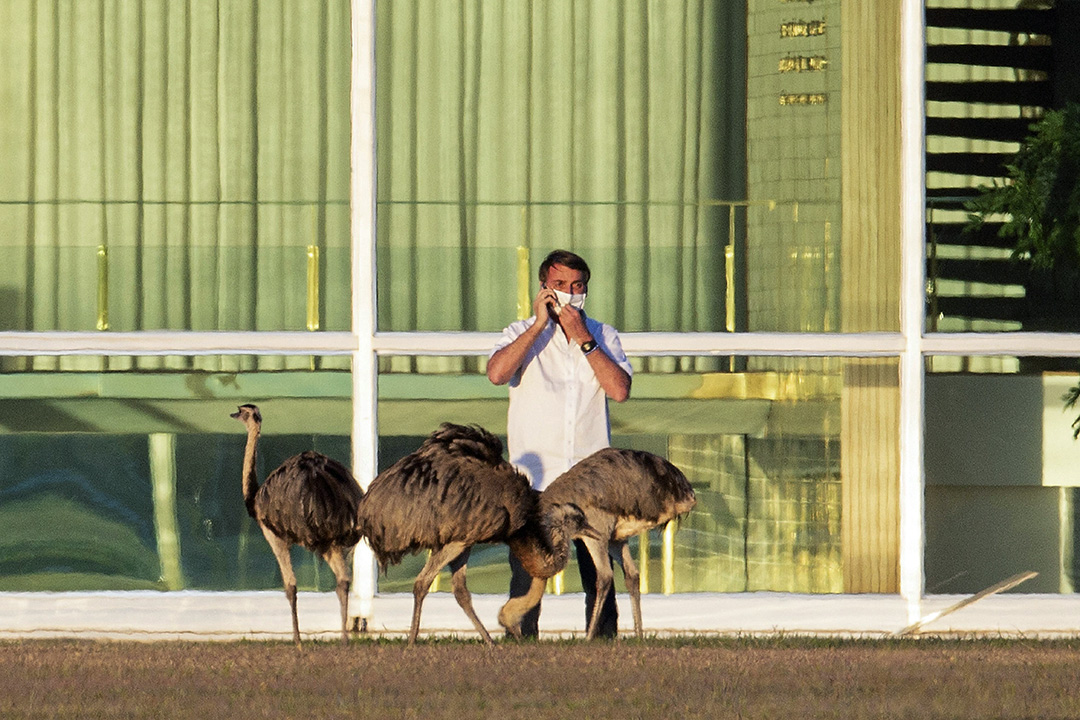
{"x":588,"y":346}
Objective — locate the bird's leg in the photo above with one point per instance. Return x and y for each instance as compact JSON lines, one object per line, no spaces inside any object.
{"x":461,"y":593}
{"x":516,"y":607}
{"x":281,"y":553}
{"x":604,"y":578}
{"x":633,"y":585}
{"x":335,"y":558}
{"x":436,"y":561}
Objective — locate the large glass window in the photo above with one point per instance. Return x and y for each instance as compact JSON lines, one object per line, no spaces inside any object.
{"x":132,"y":480}
{"x":1001,"y":459}
{"x":723,"y":167}
{"x":779,"y":507}
{"x":690,"y":151}
{"x":994,"y":73}
{"x":175,"y":165}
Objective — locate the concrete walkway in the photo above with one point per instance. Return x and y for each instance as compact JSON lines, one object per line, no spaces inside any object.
{"x":265,"y":615}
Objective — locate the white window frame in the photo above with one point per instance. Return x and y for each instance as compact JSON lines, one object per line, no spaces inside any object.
{"x":364,"y":344}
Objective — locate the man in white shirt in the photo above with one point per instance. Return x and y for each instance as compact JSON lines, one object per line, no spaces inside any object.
{"x":562,"y":366}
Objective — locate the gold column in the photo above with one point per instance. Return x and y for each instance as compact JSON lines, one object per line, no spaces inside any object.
{"x":103,"y":288}
{"x":870,"y":291}
{"x":524,"y":297}
{"x":643,"y":562}
{"x":313,"y":287}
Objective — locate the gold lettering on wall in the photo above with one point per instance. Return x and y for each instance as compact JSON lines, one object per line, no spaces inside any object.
{"x":803,"y":98}
{"x":801,"y":63}
{"x":802,"y":29}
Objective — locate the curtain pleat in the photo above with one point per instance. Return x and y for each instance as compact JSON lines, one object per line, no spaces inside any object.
{"x":167,"y":165}
{"x":586,"y":125}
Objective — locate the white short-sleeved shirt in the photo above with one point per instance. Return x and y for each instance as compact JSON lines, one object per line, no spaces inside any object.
{"x":558,"y":411}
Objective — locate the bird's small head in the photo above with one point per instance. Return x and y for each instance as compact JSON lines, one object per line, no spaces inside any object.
{"x":247,"y":413}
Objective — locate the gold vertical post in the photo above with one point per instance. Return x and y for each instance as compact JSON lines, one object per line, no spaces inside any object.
{"x":729,"y":300}
{"x":103,"y":288}
{"x":313,"y":287}
{"x":729,"y":279}
{"x":669,"y":558}
{"x":643,"y":562}
{"x":524,"y":297}
{"x":556,"y":584}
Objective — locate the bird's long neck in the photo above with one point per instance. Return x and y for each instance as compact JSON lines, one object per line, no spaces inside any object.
{"x":250,"y":482}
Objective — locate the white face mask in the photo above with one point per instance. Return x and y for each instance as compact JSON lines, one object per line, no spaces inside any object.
{"x":576,"y":301}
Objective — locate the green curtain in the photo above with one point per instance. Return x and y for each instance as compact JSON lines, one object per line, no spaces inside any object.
{"x":610,"y":128}
{"x":166,"y":165}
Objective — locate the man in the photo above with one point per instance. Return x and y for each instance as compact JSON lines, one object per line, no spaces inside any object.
{"x":562,"y":366}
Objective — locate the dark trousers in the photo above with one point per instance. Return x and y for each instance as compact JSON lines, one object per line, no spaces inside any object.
{"x":608,"y":624}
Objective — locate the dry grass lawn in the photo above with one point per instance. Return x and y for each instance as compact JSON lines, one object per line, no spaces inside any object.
{"x":461,"y":679}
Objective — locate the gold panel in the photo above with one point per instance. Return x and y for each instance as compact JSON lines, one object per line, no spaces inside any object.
{"x":803,"y":63}
{"x":802,"y":29}
{"x":803,"y":99}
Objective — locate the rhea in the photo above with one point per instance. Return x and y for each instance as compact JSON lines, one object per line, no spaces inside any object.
{"x":310,"y":500}
{"x":455,"y":491}
{"x":622,"y":493}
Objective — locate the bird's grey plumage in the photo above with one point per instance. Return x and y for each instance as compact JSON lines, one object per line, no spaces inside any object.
{"x":625,"y":484}
{"x":453,"y":492}
{"x":310,"y":500}
{"x":622,"y":493}
{"x":425,"y":502}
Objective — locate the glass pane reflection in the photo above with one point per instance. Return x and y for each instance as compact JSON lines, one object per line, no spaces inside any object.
{"x":763,"y":449}
{"x":1001,"y":475}
{"x":121,"y":480}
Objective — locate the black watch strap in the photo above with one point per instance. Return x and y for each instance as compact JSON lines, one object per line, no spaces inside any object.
{"x":588,"y":346}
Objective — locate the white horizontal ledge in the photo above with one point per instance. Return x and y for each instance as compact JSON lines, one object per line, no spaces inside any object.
{"x":176,"y":343}
{"x":753,"y":343}
{"x":434,"y":343}
{"x":1018,"y":344}
{"x":429,"y":343}
{"x":480,"y":343}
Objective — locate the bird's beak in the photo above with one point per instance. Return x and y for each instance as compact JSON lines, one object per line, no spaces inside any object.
{"x":235,"y":415}
{"x":588,"y":531}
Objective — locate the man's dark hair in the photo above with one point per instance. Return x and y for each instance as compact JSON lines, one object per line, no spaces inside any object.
{"x":566,"y":259}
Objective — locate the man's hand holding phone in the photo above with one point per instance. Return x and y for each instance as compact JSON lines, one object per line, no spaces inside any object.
{"x":546,"y":305}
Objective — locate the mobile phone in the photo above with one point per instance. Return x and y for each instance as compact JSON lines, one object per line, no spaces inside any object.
{"x":554,"y":308}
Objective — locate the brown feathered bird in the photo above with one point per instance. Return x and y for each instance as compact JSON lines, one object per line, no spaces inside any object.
{"x":622,"y":493}
{"x":311,"y":501}
{"x":542,"y":546}
{"x":453,"y":492}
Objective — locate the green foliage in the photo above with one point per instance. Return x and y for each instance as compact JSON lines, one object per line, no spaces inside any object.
{"x":1070,"y":399}
{"x":1040,"y":200}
